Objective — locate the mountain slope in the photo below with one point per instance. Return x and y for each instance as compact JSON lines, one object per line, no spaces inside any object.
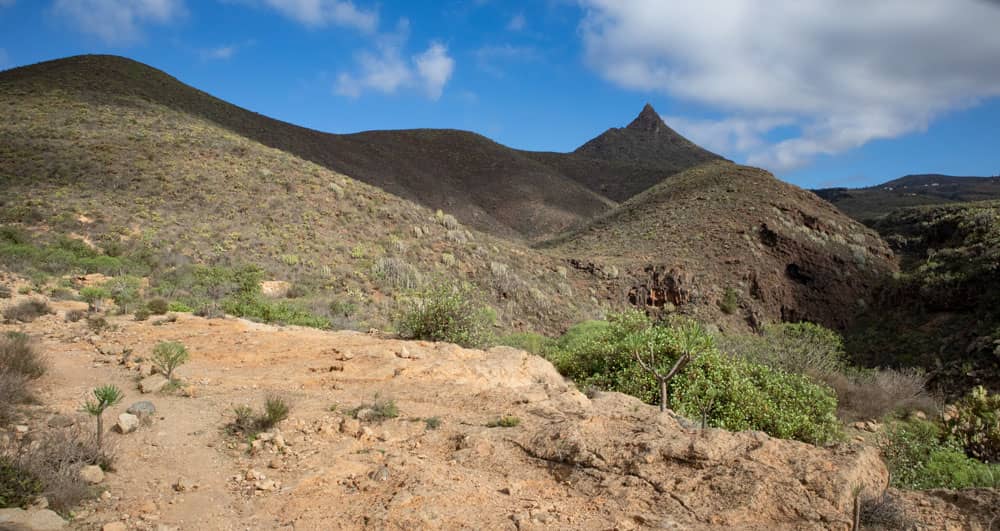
{"x":622,"y":162}
{"x":911,"y":190}
{"x":484,"y":184}
{"x":124,"y":171}
{"x":735,"y":240}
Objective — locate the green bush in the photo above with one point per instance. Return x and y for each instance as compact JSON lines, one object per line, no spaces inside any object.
{"x":920,"y":456}
{"x":179,"y":307}
{"x":124,"y":290}
{"x":446,"y":313}
{"x":18,"y":487}
{"x":157,"y":306}
{"x":504,"y":422}
{"x":729,"y":302}
{"x":261,"y":309}
{"x":730,"y":392}
{"x":167,"y":356}
{"x":802,"y":348}
{"x":529,"y":341}
{"x":976,"y":424}
{"x":94,"y":296}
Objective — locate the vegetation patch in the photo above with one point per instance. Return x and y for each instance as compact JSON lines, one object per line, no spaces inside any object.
{"x":920,"y":455}
{"x":446,"y":313}
{"x":27,"y":311}
{"x":726,"y":392}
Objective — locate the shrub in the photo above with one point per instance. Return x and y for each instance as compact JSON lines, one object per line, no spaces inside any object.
{"x":124,"y":290}
{"x":275,"y":411}
{"x":13,"y":391}
{"x":249,"y":423}
{"x":27,"y":311}
{"x":5,"y":292}
{"x":529,"y":341}
{"x":729,"y":302}
{"x":802,"y":348}
{"x":920,"y":456}
{"x":432,"y":423}
{"x":73,"y":316}
{"x":158,"y":306}
{"x":18,"y":487}
{"x":167,"y":356}
{"x":97,"y":324}
{"x":179,"y":307}
{"x":885,"y":511}
{"x":873,"y":394}
{"x":730,"y":393}
{"x":18,"y":355}
{"x":446,"y":313}
{"x":260,"y":309}
{"x":61,"y":294}
{"x":504,"y":422}
{"x":378,"y":410}
{"x":94,"y":296}
{"x":975,"y":424}
{"x":395,"y":273}
{"x":54,"y":461}
{"x":141,"y":314}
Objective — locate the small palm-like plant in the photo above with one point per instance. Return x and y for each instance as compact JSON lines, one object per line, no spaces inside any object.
{"x":105,"y":396}
{"x":167,"y":356}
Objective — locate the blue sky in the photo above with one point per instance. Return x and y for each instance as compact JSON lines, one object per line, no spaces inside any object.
{"x":821,"y":93}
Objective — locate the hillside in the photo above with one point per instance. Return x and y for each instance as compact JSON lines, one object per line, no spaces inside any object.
{"x":623,"y":162}
{"x":484,"y":184}
{"x":942,"y":313}
{"x":911,"y":190}
{"x":737,"y":243}
{"x":133,"y":175}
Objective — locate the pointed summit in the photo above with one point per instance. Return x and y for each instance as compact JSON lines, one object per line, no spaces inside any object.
{"x":648,"y":142}
{"x":648,"y":120}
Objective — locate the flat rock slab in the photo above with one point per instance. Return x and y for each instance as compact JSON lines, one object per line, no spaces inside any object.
{"x":40,"y":520}
{"x":153,"y":384}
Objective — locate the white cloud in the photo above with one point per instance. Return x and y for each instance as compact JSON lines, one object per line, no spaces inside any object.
{"x":117,"y":21}
{"x":434,"y":67}
{"x":517,"y":22}
{"x":386,"y":70}
{"x":728,"y":135}
{"x":844,"y":72}
{"x":221,"y":53}
{"x":322,"y":13}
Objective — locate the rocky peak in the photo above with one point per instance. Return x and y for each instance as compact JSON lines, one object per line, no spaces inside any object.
{"x":648,"y":120}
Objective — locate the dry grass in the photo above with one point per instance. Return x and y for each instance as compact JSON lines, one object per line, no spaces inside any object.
{"x":27,"y":311}
{"x":20,"y":363}
{"x":55,"y":460}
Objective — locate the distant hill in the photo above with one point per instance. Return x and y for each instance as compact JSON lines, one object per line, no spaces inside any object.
{"x":738,"y":240}
{"x":623,"y":162}
{"x":911,"y":190}
{"x":484,"y":184}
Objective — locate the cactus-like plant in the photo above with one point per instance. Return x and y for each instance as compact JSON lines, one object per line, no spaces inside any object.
{"x":105,"y":396}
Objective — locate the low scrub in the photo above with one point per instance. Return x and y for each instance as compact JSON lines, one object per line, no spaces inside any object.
{"x":64,"y":255}
{"x":27,"y":311}
{"x":818,"y":353}
{"x":920,"y":455}
{"x":446,"y":313}
{"x":50,"y":467}
{"x":378,"y":410}
{"x":975,"y":424}
{"x":248,"y":422}
{"x":20,"y":362}
{"x":528,"y":341}
{"x":723,"y":391}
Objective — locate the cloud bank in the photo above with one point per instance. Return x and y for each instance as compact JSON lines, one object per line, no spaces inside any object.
{"x":841,"y":73}
{"x":117,"y":21}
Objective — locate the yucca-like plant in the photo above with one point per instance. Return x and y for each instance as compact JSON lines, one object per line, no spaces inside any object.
{"x":167,"y":356}
{"x":105,"y":396}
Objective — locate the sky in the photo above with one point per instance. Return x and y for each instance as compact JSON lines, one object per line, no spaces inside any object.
{"x":822,"y":93}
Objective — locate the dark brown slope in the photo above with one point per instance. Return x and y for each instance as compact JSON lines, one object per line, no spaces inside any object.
{"x":623,"y":162}
{"x":908,"y":191}
{"x":779,"y":251}
{"x":484,"y":184}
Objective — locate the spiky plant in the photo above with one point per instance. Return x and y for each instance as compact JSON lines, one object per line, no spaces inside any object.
{"x":167,"y":356}
{"x":105,"y":396}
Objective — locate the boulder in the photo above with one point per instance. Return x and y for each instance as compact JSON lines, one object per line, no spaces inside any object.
{"x":153,"y":384}
{"x":127,"y":423}
{"x":32,"y":520}
{"x":141,"y":409}
{"x":92,"y":474}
